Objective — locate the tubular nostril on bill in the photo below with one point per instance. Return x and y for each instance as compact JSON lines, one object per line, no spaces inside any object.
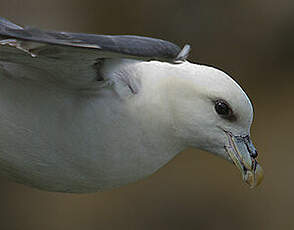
{"x":250,"y":147}
{"x":254,"y":154}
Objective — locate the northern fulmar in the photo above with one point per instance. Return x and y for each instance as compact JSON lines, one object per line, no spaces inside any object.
{"x":82,"y":112}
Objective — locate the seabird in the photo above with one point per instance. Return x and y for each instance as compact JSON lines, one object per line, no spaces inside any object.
{"x":82,"y":112}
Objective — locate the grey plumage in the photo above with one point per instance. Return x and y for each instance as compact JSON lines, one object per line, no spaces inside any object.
{"x":135,"y":46}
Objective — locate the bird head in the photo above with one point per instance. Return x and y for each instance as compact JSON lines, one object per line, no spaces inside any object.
{"x":211,"y":112}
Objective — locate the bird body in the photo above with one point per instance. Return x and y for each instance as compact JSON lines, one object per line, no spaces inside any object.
{"x":63,"y":138}
{"x":75,"y":117}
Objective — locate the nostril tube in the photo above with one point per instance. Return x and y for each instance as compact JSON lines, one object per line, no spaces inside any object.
{"x":250,"y":147}
{"x":254,"y":154}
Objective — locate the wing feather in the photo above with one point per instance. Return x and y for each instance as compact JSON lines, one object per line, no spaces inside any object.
{"x":74,"y":56}
{"x":137,"y":46}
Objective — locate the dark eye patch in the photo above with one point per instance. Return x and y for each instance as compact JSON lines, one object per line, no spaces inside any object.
{"x":224,"y":110}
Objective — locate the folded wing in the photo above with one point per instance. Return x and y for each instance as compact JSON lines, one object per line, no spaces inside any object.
{"x":73,"y":57}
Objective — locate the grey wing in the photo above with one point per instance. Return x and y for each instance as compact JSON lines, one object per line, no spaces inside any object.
{"x":75,"y":56}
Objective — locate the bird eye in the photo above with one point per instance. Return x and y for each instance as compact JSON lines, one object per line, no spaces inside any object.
{"x":222,"y":108}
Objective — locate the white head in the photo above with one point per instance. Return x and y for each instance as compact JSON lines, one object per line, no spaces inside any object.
{"x":212,"y":112}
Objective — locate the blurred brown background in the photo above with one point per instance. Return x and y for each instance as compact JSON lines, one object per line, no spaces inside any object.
{"x":253,"y":41}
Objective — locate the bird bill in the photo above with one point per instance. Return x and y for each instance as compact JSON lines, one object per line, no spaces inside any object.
{"x":240,"y":151}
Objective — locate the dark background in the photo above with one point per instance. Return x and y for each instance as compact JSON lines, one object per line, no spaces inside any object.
{"x":253,"y":41}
